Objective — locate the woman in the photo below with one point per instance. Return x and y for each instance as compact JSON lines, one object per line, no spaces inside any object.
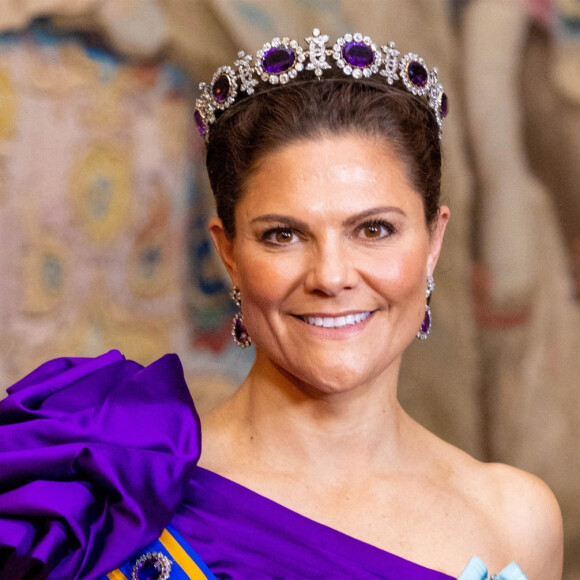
{"x":326,"y":168}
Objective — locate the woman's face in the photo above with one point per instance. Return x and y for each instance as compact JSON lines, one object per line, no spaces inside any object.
{"x":331,"y":255}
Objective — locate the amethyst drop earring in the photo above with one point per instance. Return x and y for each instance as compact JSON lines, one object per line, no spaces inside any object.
{"x":239,"y":332}
{"x":426,"y":325}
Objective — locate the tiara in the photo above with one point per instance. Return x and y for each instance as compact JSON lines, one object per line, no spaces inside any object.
{"x":283,"y":60}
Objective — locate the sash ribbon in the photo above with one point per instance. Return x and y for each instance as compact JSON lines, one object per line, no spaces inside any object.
{"x":185,"y":561}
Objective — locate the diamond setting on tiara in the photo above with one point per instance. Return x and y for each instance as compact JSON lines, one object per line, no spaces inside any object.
{"x":415,"y":74}
{"x":391,"y":60}
{"x":357,"y":55}
{"x":438,"y":100}
{"x":204,"y":110}
{"x":281,"y":61}
{"x":245,"y":72}
{"x":224,"y":87}
{"x":317,"y":52}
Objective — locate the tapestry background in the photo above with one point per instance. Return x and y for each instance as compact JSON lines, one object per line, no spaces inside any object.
{"x":103,"y":204}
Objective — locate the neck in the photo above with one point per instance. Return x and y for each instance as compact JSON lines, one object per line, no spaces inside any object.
{"x":286,"y":425}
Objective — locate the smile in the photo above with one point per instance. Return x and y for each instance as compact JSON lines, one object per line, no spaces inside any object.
{"x":336,"y":321}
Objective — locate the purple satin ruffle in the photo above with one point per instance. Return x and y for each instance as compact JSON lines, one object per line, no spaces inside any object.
{"x":95,"y":455}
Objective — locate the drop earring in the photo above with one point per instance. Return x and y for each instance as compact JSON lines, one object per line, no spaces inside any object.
{"x":426,"y":324}
{"x":239,"y":332}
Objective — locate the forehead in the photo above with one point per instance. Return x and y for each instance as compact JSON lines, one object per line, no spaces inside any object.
{"x":329,"y":174}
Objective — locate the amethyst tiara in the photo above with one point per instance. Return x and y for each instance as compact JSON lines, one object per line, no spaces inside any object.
{"x":282,"y":60}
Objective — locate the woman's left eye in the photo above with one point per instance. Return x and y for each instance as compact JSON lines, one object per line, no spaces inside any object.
{"x":376,"y":230}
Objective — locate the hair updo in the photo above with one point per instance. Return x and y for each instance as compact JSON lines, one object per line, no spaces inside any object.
{"x":273,"y":118}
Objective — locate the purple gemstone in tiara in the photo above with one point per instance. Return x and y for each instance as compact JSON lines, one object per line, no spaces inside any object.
{"x":417,"y":79}
{"x":224,"y":89}
{"x":444,"y":105}
{"x":418,"y":74}
{"x":221,"y":88}
{"x":201,"y":127}
{"x":278,"y":60}
{"x":358,"y":54}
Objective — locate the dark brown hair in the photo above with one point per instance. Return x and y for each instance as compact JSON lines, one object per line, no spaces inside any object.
{"x":276,"y":117}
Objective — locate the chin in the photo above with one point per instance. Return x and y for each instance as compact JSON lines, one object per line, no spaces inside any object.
{"x":332,"y":378}
{"x":336,"y":366}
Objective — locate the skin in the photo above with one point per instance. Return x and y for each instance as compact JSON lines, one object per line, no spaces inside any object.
{"x":327,"y":228}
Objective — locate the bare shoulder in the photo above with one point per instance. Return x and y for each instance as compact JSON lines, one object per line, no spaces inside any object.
{"x":516,"y":513}
{"x":534,"y":517}
{"x":529,"y":515}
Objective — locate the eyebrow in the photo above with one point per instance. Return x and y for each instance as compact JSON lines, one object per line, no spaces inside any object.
{"x":284,"y":219}
{"x":372,"y":212}
{"x":291,"y":221}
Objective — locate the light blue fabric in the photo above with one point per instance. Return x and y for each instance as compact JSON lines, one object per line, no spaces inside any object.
{"x":512,"y":572}
{"x":477,"y":570}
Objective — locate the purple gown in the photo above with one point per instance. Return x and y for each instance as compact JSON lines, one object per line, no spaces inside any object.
{"x":97,"y":456}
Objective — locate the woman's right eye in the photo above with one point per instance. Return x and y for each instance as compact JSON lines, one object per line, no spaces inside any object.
{"x":279,"y":236}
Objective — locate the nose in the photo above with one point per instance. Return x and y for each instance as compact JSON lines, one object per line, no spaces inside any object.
{"x":331,"y":269}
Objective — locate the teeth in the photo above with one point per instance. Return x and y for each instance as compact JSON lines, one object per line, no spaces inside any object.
{"x":339,"y":321}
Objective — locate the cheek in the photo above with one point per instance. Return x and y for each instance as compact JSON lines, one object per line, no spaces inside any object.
{"x":267,"y":278}
{"x":402,"y":275}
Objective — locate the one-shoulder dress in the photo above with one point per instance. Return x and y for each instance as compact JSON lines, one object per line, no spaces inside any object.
{"x":99,"y":480}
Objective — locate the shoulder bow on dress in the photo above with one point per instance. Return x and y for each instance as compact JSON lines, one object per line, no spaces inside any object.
{"x":477,"y":570}
{"x":94,"y":458}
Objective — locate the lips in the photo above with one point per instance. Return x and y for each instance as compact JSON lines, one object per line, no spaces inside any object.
{"x":336,"y":321}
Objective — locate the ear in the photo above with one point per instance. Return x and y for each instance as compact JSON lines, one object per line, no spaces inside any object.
{"x":224,"y":246}
{"x":436,"y":238}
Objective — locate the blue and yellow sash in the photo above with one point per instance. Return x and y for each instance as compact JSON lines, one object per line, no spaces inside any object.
{"x":185,"y":562}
